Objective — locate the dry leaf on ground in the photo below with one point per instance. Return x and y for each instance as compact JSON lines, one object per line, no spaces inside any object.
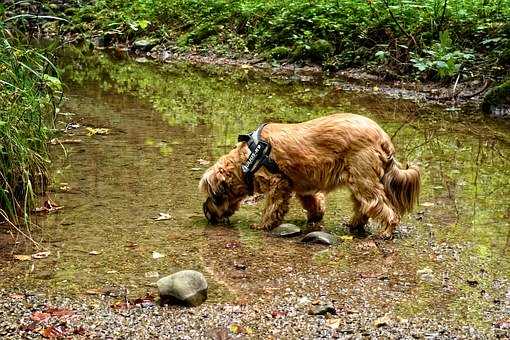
{"x":156,"y":255}
{"x":162,"y":217}
{"x":48,"y":207}
{"x":22,"y":257}
{"x":41,"y":255}
{"x":97,"y":131}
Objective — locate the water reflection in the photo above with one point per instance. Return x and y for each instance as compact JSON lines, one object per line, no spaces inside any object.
{"x":465,"y":161}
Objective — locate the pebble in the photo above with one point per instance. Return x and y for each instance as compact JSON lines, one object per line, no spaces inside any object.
{"x":322,"y":309}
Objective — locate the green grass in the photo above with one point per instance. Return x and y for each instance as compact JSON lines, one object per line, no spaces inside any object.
{"x":29,"y":92}
{"x":432,"y":38}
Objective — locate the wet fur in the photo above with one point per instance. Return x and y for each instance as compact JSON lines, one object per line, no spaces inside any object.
{"x":317,"y":157}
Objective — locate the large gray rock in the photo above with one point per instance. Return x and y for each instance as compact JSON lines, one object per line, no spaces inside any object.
{"x":187,"y":287}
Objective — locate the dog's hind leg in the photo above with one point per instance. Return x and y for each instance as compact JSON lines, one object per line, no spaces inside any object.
{"x":277,"y":203}
{"x":315,"y":206}
{"x":373,"y":203}
{"x":359,"y":220}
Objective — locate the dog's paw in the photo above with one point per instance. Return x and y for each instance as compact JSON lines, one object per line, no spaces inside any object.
{"x":385,"y":235}
{"x":314,"y":226}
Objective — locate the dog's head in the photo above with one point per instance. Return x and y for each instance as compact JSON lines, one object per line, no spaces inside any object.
{"x":223,"y":185}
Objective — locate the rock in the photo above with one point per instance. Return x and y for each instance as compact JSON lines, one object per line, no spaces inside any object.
{"x":496,"y":101}
{"x":145,"y":44}
{"x":105,"y":40}
{"x":286,"y":230}
{"x":303,"y":301}
{"x":187,"y":287}
{"x":425,"y":274}
{"x":322,"y":309}
{"x":319,"y":237}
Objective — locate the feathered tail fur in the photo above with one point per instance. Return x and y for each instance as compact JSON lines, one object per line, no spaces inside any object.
{"x":402,"y":186}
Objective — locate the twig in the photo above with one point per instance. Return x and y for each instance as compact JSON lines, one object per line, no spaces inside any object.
{"x":4,"y":216}
{"x":32,"y":16}
{"x":398,"y":24}
{"x":455,"y":85}
{"x":440,"y":26}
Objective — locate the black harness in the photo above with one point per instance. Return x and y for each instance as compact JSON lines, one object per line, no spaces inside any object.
{"x":259,"y":156}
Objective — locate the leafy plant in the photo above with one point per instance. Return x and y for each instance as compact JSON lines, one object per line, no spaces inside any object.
{"x":29,"y":92}
{"x":441,"y":58}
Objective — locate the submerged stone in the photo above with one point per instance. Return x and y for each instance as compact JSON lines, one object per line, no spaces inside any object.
{"x":187,"y":287}
{"x":286,"y":230}
{"x":319,"y":237}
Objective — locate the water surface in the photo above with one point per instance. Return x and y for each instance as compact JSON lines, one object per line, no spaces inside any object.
{"x":165,"y":120}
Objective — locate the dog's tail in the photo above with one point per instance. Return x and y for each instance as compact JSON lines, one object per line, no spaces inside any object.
{"x":402,"y":186}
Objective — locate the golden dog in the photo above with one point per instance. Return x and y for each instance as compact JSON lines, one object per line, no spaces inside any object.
{"x":314,"y":158}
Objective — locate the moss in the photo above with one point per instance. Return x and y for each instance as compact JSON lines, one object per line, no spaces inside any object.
{"x":279,"y":52}
{"x":497,"y":96}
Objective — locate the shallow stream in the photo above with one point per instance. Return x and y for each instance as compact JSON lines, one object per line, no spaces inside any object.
{"x":166,"y":123}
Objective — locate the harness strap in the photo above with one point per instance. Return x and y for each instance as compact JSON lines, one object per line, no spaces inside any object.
{"x":258,"y":157}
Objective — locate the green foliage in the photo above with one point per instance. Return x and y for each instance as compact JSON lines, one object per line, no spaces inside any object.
{"x":29,"y":86}
{"x":338,"y":33}
{"x":441,"y":58}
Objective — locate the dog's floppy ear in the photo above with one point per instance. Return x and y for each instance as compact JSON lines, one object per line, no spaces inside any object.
{"x":214,"y":185}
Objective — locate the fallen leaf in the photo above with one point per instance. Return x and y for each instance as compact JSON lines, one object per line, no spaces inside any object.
{"x":234,"y":328}
{"x":94,"y":252}
{"x":97,"y":131}
{"x":276,"y":314}
{"x":427,"y":204}
{"x":59,"y":312}
{"x":156,"y":255}
{"x":196,"y":169}
{"x":41,"y":255}
{"x":23,"y":257}
{"x":48,"y":207}
{"x":53,"y":331}
{"x":333,"y":323}
{"x":80,"y":331}
{"x":162,"y":217}
{"x":94,"y":291}
{"x":146,"y":301}
{"x":346,"y":237}
{"x":203,"y":162}
{"x":40,"y":316}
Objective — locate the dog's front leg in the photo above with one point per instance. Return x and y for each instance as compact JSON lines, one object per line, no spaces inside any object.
{"x":277,"y":203}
